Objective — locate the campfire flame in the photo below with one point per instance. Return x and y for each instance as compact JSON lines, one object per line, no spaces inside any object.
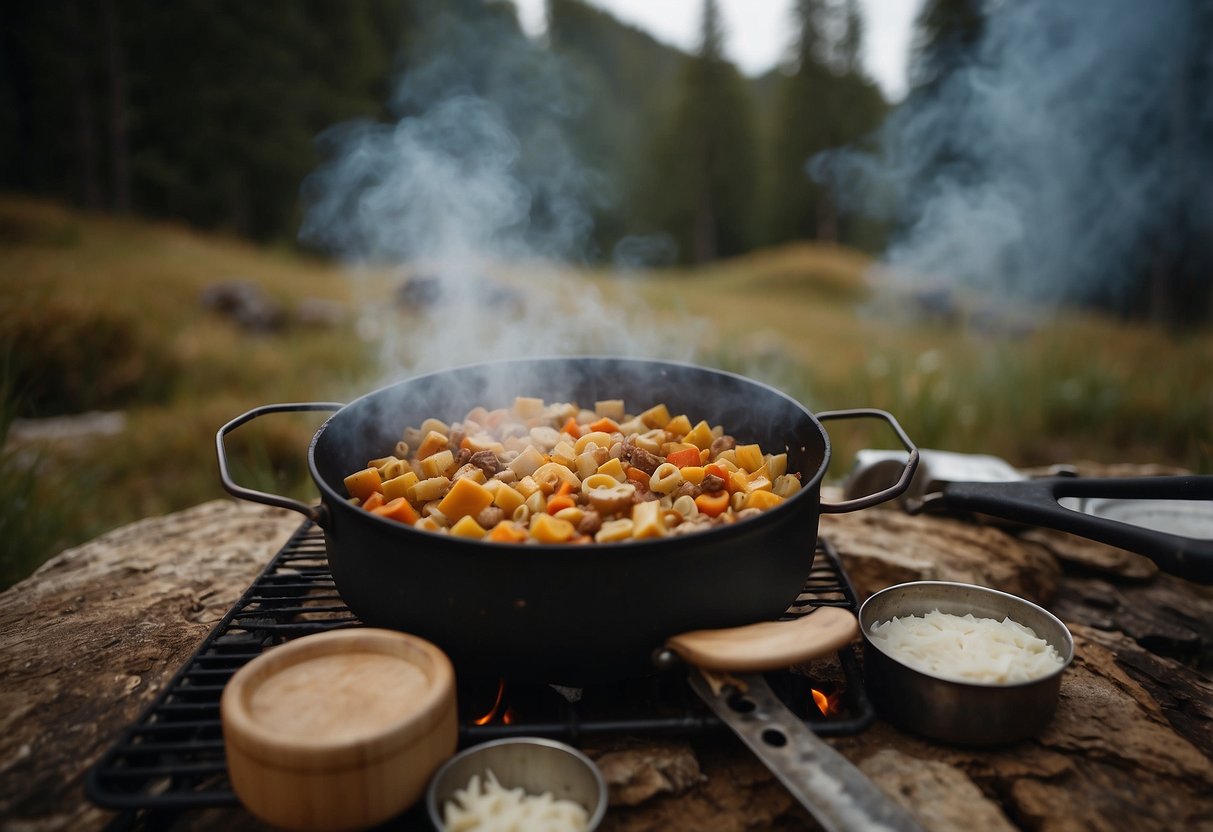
{"x":827,"y":703}
{"x":507,"y":715}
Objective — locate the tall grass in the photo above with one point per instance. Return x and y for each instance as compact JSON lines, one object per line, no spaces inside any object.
{"x":122,"y":298}
{"x":31,"y":523}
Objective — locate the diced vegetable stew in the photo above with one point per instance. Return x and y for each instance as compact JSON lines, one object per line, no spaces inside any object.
{"x":557,"y":473}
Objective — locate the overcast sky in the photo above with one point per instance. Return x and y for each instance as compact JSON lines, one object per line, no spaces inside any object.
{"x":757,"y":32}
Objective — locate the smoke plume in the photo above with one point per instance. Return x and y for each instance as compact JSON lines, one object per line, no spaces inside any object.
{"x":1057,"y":163}
{"x":473,"y":175}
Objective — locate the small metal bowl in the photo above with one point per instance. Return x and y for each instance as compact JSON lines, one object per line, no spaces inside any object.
{"x":960,"y":713}
{"x":535,"y":764}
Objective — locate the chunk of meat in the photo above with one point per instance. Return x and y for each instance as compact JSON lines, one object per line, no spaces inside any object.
{"x":490,"y":516}
{"x":487,"y":462}
{"x":687,"y":489}
{"x":590,"y":523}
{"x":640,"y":458}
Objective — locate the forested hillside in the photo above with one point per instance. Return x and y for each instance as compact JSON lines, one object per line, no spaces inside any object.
{"x":210,"y":112}
{"x":1049,"y":152}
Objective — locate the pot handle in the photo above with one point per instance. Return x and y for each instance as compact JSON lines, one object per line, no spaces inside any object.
{"x":1035,"y":502}
{"x":768,"y":645}
{"x":315,"y":513}
{"x":907,"y":473}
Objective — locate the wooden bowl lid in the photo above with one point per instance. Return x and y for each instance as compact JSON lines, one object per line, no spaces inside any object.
{"x":336,"y":700}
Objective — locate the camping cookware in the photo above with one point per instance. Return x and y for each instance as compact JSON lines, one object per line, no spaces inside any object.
{"x":566,"y":613}
{"x":1045,"y":502}
{"x":1168,"y":519}
{"x":961,"y":713}
{"x":837,"y":793}
{"x":534,"y":764}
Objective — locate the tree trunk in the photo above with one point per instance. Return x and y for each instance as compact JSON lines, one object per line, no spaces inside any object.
{"x":119,"y":140}
{"x":82,"y":106}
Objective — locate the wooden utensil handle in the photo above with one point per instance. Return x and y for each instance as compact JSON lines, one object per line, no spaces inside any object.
{"x":770,"y":645}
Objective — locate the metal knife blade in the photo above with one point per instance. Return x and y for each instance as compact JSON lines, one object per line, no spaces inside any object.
{"x":834,"y":791}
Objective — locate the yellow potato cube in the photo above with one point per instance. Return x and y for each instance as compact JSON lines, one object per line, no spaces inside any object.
{"x":527,"y":408}
{"x":437,"y":465}
{"x":777,"y":464}
{"x":749,"y":457}
{"x":757,"y":483}
{"x":468,"y":527}
{"x":700,"y":436}
{"x":548,"y":529}
{"x":483,"y":442}
{"x":647,"y":520}
{"x":633,"y":425}
{"x":610,"y":409}
{"x":786,"y":486}
{"x":507,"y":499}
{"x":465,"y":497}
{"x":679,"y":425}
{"x":526,"y":487}
{"x":586,"y":464}
{"x":693,"y":474}
{"x":761,"y":500}
{"x":399,"y":486}
{"x":657,"y":416}
{"x":613,"y":468}
{"x":536,"y":503}
{"x":727,"y":458}
{"x":432,"y":444}
{"x":613,"y":531}
{"x":361,"y":484}
{"x":469,"y":472}
{"x":573,"y":514}
{"x":564,"y":453}
{"x":428,"y":489}
{"x":526,"y":462}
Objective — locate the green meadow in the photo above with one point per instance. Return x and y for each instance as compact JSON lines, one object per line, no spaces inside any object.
{"x":103,"y":314}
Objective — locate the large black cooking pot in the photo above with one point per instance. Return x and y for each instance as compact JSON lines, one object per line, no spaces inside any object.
{"x":567,"y":613}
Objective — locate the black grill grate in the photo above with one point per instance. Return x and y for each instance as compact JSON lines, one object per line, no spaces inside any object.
{"x":172,"y":756}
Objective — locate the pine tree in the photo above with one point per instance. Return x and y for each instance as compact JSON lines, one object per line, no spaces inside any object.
{"x":945,"y":33}
{"x":704,"y":182}
{"x":824,"y":102}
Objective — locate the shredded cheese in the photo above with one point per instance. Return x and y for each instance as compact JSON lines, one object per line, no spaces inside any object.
{"x":967,"y":649}
{"x":487,"y":806}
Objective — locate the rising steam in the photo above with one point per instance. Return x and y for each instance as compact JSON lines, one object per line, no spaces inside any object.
{"x":1054,"y":164}
{"x":473,"y":171}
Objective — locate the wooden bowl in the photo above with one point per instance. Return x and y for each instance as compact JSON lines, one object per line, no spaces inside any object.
{"x":339,"y":730}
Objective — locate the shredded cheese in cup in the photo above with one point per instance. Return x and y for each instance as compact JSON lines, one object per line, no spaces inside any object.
{"x":487,"y":806}
{"x":967,"y":649}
